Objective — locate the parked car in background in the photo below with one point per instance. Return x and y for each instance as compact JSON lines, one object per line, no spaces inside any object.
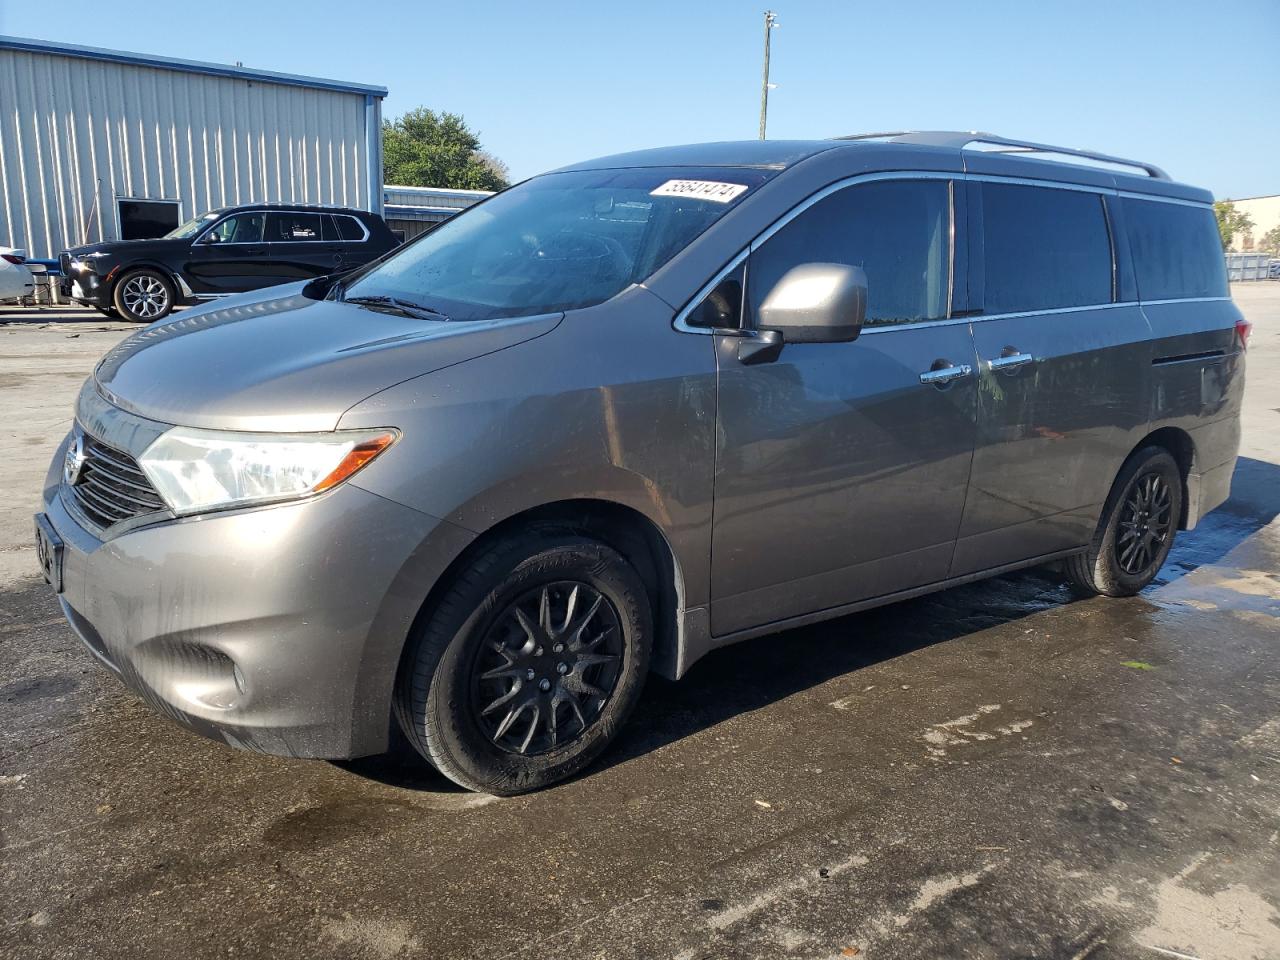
{"x":15,"y":278}
{"x":232,"y":250}
{"x":632,"y":411}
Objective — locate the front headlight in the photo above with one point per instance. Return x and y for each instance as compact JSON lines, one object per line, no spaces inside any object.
{"x":88,"y":262}
{"x":199,"y":470}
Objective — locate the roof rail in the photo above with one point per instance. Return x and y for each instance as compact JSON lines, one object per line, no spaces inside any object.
{"x":960,"y":139}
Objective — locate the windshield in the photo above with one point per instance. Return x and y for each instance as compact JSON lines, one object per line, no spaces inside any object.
{"x":191,"y":227}
{"x":558,"y":242}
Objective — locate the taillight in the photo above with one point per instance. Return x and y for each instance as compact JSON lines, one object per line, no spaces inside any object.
{"x":1243,"y":329}
{"x":11,"y":258}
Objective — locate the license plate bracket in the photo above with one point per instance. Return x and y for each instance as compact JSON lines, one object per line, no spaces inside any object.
{"x":49,"y":551}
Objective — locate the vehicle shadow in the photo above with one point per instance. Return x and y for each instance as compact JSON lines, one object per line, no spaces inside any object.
{"x":1254,"y":503}
{"x":759,"y":672}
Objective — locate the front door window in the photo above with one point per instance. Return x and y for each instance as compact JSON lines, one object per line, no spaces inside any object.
{"x":242,"y":228}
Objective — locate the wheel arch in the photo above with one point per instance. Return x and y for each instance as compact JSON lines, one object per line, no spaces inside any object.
{"x":124,"y":269}
{"x":1183,"y":450}
{"x":626,"y":530}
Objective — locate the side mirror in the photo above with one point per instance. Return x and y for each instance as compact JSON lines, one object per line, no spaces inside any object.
{"x":816,"y":303}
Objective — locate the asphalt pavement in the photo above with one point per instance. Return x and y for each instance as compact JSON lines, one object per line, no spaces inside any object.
{"x":999,"y":770}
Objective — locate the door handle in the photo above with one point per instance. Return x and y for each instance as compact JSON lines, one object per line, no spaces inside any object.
{"x":1010,"y":361}
{"x":938,"y":376}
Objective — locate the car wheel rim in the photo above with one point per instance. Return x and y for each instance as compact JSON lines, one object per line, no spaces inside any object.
{"x":1146,"y":521}
{"x":145,"y":296}
{"x":546,"y":668}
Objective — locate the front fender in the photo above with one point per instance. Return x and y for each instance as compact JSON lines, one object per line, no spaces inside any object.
{"x":612,"y":405}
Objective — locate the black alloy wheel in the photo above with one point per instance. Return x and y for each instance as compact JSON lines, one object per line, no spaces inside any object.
{"x":1146,"y":520}
{"x":1135,"y":532}
{"x":547,"y":668}
{"x":527,"y":663}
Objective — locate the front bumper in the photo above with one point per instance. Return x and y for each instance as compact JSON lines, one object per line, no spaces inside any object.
{"x":277,"y":630}
{"x":85,"y":287}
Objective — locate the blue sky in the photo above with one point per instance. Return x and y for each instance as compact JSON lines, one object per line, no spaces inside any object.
{"x":1189,"y":86}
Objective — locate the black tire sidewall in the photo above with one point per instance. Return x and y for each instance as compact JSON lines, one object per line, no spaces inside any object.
{"x":117,"y":300}
{"x":442,"y":724}
{"x":1108,"y":575}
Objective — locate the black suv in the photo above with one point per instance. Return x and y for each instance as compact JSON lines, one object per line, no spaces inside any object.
{"x":226,"y":251}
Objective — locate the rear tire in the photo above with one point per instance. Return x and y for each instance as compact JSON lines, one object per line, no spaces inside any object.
{"x":143,"y":296}
{"x":1136,"y":531}
{"x":529,"y":664}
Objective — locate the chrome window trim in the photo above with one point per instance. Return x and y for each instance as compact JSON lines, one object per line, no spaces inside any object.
{"x":951,"y":248}
{"x":1147,"y":303}
{"x":982,"y":318}
{"x":915,"y":325}
{"x":680,"y":322}
{"x":1133,"y":195}
{"x":1047,"y":184}
{"x":360,"y":223}
{"x":264,"y":243}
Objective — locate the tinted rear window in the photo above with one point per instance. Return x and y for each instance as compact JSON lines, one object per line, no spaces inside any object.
{"x":1177,"y":250}
{"x":1044,"y":248}
{"x":293,"y":227}
{"x":349,"y":227}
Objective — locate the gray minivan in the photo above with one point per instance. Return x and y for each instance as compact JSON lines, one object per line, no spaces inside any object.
{"x":633,"y":410}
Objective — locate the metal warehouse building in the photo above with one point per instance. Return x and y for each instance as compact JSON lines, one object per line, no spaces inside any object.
{"x":100,"y":144}
{"x":412,"y":211}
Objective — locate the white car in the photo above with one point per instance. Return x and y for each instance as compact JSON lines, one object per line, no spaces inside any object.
{"x":15,"y":278}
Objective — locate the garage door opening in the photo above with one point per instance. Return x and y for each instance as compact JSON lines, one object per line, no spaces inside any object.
{"x":145,"y":219}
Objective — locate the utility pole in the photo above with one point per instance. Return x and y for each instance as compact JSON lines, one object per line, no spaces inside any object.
{"x":770,"y":21}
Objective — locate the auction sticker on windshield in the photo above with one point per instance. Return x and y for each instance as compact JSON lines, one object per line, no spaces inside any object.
{"x":700,"y":190}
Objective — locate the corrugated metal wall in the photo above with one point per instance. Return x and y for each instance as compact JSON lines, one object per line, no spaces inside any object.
{"x":432,"y":196}
{"x":71,"y":128}
{"x":411,"y":229}
{"x":412,"y":211}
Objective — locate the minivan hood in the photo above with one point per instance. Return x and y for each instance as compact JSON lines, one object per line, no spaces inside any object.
{"x":286,"y":362}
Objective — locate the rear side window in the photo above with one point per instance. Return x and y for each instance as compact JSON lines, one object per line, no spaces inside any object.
{"x":1044,"y":249}
{"x":293,"y":227}
{"x":349,"y":227}
{"x":898,"y":231}
{"x":1177,"y":250}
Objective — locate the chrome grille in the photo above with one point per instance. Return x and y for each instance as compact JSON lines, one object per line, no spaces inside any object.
{"x":112,"y":487}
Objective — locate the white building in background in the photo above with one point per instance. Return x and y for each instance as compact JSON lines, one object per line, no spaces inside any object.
{"x":1265,"y":213}
{"x":102,"y":144}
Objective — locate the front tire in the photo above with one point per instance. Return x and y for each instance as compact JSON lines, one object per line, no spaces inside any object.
{"x":143,"y":296}
{"x":528,"y":665}
{"x":1137,"y":528}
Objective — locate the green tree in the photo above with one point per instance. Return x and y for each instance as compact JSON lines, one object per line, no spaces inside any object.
{"x":1230,"y":221}
{"x":1270,"y":242}
{"x":423,"y":148}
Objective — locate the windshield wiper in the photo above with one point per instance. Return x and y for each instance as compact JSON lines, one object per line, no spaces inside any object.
{"x":406,"y":307}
